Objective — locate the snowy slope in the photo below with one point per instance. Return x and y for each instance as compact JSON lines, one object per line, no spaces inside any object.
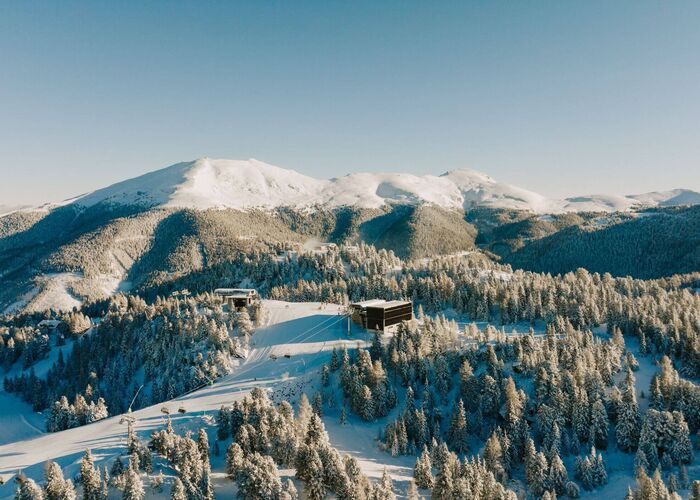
{"x":8,"y":209}
{"x":304,"y":331}
{"x":479,"y":189}
{"x":245,"y":184}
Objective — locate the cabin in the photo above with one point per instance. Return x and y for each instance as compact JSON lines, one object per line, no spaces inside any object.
{"x":381,"y":315}
{"x":238,"y":298}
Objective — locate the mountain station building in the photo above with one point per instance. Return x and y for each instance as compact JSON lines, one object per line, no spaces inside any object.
{"x":381,"y":315}
{"x":238,"y":298}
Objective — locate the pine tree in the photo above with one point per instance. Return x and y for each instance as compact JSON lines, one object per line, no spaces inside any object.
{"x":234,"y":460}
{"x":412,"y":491}
{"x":422,"y":472}
{"x":695,"y":490}
{"x":599,"y":425}
{"x":203,"y":445}
{"x":290,"y":490}
{"x":90,"y":478}
{"x":558,"y":476}
{"x":258,"y":479}
{"x":245,"y":325}
{"x":317,"y":404}
{"x":28,"y":489}
{"x":457,"y":434}
{"x":681,"y":450}
{"x":444,"y":481}
{"x":55,"y":487}
{"x":178,"y":490}
{"x":314,"y":487}
{"x":117,"y":467}
{"x":366,"y":404}
{"x":385,"y":489}
{"x":536,"y":473}
{"x":493,"y":455}
{"x":206,"y":488}
{"x":628,"y":425}
{"x":133,"y":486}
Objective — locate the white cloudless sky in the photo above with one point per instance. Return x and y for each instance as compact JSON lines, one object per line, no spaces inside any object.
{"x":562,"y":98}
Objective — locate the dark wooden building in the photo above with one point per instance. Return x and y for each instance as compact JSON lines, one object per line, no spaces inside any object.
{"x":381,"y":315}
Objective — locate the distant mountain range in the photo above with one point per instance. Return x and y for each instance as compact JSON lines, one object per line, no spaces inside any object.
{"x":244,"y":184}
{"x":149,"y":233}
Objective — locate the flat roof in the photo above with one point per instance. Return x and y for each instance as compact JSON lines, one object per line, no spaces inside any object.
{"x":391,"y":303}
{"x":233,"y":291}
{"x":365,"y":303}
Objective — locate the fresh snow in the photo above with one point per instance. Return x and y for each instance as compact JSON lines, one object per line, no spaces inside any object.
{"x":247,"y":184}
{"x":55,"y":293}
{"x":285,"y":357}
{"x":306,"y":332}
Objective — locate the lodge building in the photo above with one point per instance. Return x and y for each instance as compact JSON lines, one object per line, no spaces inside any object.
{"x":237,"y":298}
{"x":381,"y":315}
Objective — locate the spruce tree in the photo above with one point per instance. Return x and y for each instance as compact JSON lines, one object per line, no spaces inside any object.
{"x":178,"y":490}
{"x":28,"y":489}
{"x":55,"y":486}
{"x":422,"y":472}
{"x":133,"y":486}
{"x":385,"y":489}
{"x":457,"y":434}
{"x":203,"y":445}
{"x":90,"y":478}
{"x":314,"y":487}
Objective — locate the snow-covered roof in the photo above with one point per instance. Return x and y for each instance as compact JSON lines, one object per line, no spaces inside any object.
{"x":366,"y":303}
{"x":235,"y":292}
{"x":51,"y":323}
{"x":379,"y":303}
{"x":391,"y":303}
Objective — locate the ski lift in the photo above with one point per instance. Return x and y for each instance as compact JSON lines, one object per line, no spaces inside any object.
{"x":127,"y":419}
{"x":181,"y":409}
{"x":165,"y":410}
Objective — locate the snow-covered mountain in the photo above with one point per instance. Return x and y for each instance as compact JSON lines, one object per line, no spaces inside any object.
{"x":6,"y":209}
{"x":244,"y":184}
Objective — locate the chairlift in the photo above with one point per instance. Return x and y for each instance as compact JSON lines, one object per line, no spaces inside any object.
{"x":127,"y":419}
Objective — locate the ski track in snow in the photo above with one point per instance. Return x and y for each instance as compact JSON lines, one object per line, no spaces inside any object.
{"x":304,"y":331}
{"x":285,"y":357}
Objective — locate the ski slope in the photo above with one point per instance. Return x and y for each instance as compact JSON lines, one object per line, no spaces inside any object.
{"x":305,"y":332}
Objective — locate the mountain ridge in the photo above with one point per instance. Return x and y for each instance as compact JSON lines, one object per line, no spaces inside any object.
{"x":209,"y":183}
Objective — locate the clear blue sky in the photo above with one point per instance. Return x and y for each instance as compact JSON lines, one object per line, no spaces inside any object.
{"x":563,"y":97}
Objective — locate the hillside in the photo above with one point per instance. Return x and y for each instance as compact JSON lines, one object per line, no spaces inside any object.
{"x":201,"y":215}
{"x":649,"y":245}
{"x":506,"y":405}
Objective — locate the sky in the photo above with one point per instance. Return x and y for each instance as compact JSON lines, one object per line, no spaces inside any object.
{"x":560,"y":97}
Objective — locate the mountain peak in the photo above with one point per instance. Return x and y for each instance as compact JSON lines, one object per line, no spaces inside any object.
{"x":245,"y":184}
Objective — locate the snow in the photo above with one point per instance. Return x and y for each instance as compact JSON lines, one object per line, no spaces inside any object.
{"x":246,"y":184}
{"x":8,"y":209}
{"x":306,"y":332}
{"x":285,"y":357}
{"x":54,"y":293}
